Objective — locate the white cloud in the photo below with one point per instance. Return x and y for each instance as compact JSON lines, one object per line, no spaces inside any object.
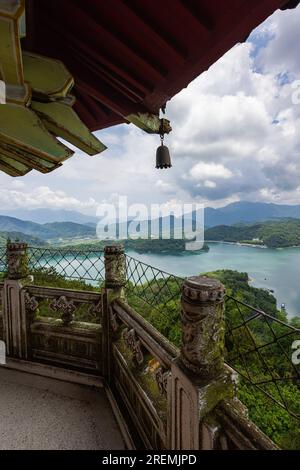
{"x":241,"y":123}
{"x":236,"y":136}
{"x":164,"y":186}
{"x":202,"y":171}
{"x":210,"y":184}
{"x":280,"y":56}
{"x":39,"y":197}
{"x":17,"y":184}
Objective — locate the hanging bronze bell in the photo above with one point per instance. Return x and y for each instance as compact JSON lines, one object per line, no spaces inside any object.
{"x":163,"y":159}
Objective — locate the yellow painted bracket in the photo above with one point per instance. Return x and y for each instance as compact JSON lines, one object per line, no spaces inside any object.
{"x":49,"y":78}
{"x":38,"y":104}
{"x":12,"y":167}
{"x":11,"y":63}
{"x":150,"y":123}
{"x":61,"y":120}
{"x":21,"y":128}
{"x":27,"y":158}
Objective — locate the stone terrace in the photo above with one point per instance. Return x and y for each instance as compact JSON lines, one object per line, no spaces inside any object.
{"x":114,"y":381}
{"x":47,"y":414}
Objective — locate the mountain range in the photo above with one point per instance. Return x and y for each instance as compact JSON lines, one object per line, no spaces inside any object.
{"x":43,"y":216}
{"x":45,"y":232}
{"x":51,"y":224}
{"x":249,"y":212}
{"x":231,"y":214}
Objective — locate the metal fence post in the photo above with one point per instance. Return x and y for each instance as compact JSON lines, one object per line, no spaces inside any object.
{"x":14,"y":313}
{"x":200,"y":379}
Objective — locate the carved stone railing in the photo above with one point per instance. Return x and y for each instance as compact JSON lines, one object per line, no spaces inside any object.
{"x":63,"y":340}
{"x":41,"y":324}
{"x":170,"y":399}
{"x":228,"y":428}
{"x":140,"y":371}
{"x":177,"y":399}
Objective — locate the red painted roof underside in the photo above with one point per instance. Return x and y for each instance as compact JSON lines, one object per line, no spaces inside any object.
{"x":132,"y":56}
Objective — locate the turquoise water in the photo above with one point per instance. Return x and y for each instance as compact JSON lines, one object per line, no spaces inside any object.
{"x":276,"y":269}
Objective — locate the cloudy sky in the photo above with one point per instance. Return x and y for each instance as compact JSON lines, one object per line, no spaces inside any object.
{"x":236,"y":136}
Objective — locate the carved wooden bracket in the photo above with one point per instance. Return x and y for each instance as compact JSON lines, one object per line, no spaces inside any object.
{"x":113,"y":320}
{"x":31,"y":305}
{"x":65,"y":307}
{"x":133,"y":343}
{"x":161,"y":377}
{"x":96,"y":309}
{"x":150,"y":123}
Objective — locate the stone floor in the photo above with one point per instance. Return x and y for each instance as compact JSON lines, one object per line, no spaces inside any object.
{"x":42,"y":413}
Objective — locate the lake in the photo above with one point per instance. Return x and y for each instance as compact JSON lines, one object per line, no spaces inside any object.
{"x":276,"y":269}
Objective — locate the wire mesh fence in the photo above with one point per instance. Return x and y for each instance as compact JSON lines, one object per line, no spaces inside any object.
{"x":152,"y":285}
{"x":72,"y":264}
{"x":263,"y":350}
{"x":155,"y":294}
{"x":259,"y":347}
{"x":3,"y":265}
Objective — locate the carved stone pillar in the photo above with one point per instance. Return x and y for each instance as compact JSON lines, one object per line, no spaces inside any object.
{"x":14,"y":312}
{"x":203,"y":325}
{"x":17,"y":260}
{"x":199,"y":378}
{"x":115,"y":267}
{"x":115,"y":280}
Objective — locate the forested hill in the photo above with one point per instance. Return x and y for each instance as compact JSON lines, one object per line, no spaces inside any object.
{"x":270,"y":418}
{"x":49,"y":231}
{"x":162,"y":246}
{"x":18,"y":236}
{"x":274,"y":234}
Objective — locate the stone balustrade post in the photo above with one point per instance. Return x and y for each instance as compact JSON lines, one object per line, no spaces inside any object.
{"x":203,"y":325}
{"x":14,"y":312}
{"x":115,"y":280}
{"x":115,"y":269}
{"x":200,"y":379}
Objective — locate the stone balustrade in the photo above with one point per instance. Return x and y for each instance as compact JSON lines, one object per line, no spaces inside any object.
{"x":168,"y":398}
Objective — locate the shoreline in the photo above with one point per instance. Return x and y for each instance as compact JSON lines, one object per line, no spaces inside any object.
{"x":252,"y":245}
{"x":241,"y":244}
